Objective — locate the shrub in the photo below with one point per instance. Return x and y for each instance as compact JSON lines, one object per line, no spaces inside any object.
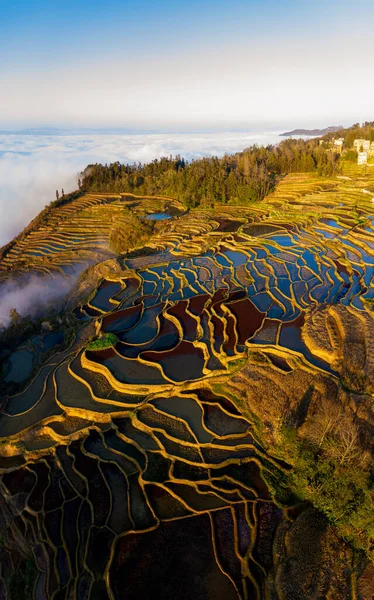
{"x":350,"y":156}
{"x":106,"y":341}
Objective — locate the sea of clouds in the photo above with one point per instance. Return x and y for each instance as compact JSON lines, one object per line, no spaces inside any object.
{"x":34,"y":165}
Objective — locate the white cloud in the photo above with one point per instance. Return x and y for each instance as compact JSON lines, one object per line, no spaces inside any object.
{"x":32,"y":167}
{"x":32,"y":295}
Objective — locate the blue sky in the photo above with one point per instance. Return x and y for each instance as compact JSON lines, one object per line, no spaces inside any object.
{"x":201,"y":63}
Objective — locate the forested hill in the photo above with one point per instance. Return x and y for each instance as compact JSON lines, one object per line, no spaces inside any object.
{"x":234,"y":179}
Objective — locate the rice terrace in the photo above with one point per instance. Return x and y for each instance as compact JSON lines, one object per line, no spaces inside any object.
{"x":193,"y":418}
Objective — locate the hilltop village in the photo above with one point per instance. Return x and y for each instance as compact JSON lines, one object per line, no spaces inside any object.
{"x":354,"y":144}
{"x":363,"y":148}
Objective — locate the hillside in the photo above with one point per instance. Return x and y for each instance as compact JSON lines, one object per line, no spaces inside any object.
{"x":193,"y":409}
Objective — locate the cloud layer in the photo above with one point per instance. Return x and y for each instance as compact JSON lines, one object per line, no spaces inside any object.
{"x":34,"y":295}
{"x":32,"y":167}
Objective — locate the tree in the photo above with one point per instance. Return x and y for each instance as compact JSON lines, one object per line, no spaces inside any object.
{"x":325,"y":420}
{"x":241,"y":178}
{"x":344,"y":446}
{"x":57,"y":195}
{"x":14,"y":316}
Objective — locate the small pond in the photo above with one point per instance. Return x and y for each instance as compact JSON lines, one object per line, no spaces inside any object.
{"x":158,"y":216}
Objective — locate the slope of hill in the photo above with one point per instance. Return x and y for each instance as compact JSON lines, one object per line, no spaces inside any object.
{"x":196,"y":417}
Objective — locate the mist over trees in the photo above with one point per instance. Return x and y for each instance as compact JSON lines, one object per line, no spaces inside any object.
{"x":241,"y":178}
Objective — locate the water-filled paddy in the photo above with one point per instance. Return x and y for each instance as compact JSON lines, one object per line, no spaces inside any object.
{"x":288,"y":270}
{"x":20,"y":366}
{"x":154,"y":445}
{"x":158,"y":216}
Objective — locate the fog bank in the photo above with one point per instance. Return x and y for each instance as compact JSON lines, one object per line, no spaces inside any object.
{"x":34,"y":295}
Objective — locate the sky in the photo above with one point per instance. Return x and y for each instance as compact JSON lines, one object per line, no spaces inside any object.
{"x":186,"y":66}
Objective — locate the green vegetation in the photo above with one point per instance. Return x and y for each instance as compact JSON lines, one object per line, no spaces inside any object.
{"x":370,"y":303}
{"x":366,"y":132}
{"x":132,"y":233}
{"x":108,"y":340}
{"x":242,"y":178}
{"x":332,"y":470}
{"x":350,"y":156}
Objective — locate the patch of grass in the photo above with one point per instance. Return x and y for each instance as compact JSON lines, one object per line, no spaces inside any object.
{"x":237,"y":364}
{"x":106,"y":341}
{"x":370,"y":303}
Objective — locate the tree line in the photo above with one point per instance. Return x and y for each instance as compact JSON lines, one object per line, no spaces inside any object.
{"x":240,"y":178}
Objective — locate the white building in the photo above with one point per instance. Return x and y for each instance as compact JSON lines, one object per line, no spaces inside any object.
{"x":338,"y":145}
{"x":362,"y":158}
{"x":364,"y":144}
